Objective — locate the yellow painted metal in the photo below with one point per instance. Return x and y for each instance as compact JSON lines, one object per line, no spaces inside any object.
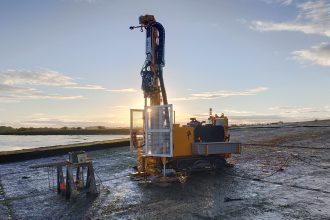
{"x":226,"y":127}
{"x":146,"y":165}
{"x":227,"y":155}
{"x":183,"y":138}
{"x":140,"y":160}
{"x":150,"y":164}
{"x":146,"y":19}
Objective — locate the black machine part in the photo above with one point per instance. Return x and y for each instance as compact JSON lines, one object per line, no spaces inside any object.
{"x":209,"y":133}
{"x":198,"y":163}
{"x":147,"y":81}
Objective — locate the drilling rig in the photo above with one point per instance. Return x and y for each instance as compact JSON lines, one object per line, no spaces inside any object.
{"x":161,"y":144}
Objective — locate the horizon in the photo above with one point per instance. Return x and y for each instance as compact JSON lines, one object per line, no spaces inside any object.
{"x":75,"y":63}
{"x":127,"y":127}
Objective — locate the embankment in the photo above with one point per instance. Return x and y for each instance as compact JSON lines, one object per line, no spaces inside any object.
{"x":28,"y":154}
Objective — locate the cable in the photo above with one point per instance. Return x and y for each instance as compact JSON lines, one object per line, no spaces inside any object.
{"x":309,"y":163}
{"x":101,"y":182}
{"x":254,"y":157}
{"x":262,"y":178}
{"x":279,"y":169}
{"x":258,"y":178}
{"x":279,"y":183}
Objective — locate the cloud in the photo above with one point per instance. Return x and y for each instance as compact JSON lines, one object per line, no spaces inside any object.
{"x":15,"y":85}
{"x":46,"y":120}
{"x":286,"y":2}
{"x":84,"y":1}
{"x":296,"y":112}
{"x":282,"y":2}
{"x":120,"y":107}
{"x":238,"y":112}
{"x":211,"y":95}
{"x":221,"y":94}
{"x":15,"y":94}
{"x":279,"y":113}
{"x":313,"y":18}
{"x":87,"y":1}
{"x":86,"y":87}
{"x":128,"y":90}
{"x":319,"y":54}
{"x":42,"y":77}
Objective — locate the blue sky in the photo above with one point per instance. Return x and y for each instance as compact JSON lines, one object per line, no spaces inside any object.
{"x":76,"y":63}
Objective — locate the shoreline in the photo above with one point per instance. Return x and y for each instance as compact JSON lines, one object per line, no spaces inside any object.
{"x":66,"y":132}
{"x":42,"y":152}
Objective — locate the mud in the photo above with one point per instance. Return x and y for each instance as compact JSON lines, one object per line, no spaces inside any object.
{"x":283,"y":175}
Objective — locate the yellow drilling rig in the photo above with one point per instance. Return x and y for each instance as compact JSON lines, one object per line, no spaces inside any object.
{"x":162,"y":145}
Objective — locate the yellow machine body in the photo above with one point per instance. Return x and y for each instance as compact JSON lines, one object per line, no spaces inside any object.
{"x":183,"y":138}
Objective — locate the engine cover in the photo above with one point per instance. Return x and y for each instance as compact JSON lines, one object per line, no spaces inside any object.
{"x":209,"y":133}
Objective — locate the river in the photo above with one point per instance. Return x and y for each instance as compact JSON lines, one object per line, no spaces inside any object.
{"x":18,"y":142}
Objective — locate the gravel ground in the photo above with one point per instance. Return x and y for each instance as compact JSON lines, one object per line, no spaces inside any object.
{"x":282,"y":173}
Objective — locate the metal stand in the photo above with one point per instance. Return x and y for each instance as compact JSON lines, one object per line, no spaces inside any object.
{"x":71,"y":184}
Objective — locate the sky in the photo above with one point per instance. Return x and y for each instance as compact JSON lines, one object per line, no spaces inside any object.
{"x":76,"y":63}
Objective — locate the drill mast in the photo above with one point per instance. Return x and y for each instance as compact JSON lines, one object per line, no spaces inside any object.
{"x":152,"y":71}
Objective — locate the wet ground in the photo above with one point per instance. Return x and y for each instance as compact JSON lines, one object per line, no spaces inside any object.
{"x":284,"y":173}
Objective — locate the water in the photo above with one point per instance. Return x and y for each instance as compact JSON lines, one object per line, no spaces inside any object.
{"x":18,"y":142}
